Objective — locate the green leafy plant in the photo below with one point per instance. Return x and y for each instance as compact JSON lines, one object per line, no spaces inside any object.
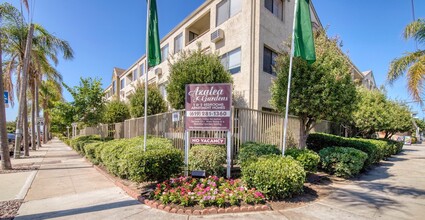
{"x":308,"y":158}
{"x":156,"y":102}
{"x":251,"y":151}
{"x":209,"y":158}
{"x":275,"y":176}
{"x":193,"y":67}
{"x":116,"y":111}
{"x":342,"y":161}
{"x":319,"y":141}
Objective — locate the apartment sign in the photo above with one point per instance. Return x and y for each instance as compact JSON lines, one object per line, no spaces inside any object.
{"x":208,"y":107}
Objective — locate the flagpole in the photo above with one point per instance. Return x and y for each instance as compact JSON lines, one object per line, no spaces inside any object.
{"x":285,"y":123}
{"x":146,"y":80}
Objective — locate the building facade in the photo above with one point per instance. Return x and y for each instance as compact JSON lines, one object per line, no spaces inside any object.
{"x":247,"y":34}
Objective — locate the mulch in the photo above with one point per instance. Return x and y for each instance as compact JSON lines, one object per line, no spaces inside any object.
{"x":9,"y":209}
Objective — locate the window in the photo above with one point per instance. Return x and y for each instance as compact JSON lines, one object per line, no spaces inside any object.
{"x":269,"y":58}
{"x":114,"y":87}
{"x":164,"y":53}
{"x":192,"y":36}
{"x":227,"y":9}
{"x":232,"y":61}
{"x":134,"y":75}
{"x":142,"y":69}
{"x":122,"y":83}
{"x":275,"y":7}
{"x":178,"y":43}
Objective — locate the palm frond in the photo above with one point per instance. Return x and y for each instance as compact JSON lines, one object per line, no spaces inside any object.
{"x":400,"y":65}
{"x":415,"y":78}
{"x":415,"y":30}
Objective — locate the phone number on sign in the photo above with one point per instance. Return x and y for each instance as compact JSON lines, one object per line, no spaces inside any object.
{"x":208,"y":114}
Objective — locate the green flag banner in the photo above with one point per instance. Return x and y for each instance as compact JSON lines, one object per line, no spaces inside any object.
{"x":154,"y":52}
{"x":304,"y":40}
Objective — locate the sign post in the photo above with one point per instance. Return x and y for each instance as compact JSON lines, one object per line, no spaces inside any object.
{"x":208,"y":108}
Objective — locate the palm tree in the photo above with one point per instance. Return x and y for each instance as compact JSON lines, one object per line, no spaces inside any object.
{"x":7,"y":12}
{"x":45,"y":50}
{"x":50,"y":92}
{"x":413,"y":63}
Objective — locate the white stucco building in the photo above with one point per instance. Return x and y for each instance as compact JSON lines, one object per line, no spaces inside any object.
{"x":247,"y":34}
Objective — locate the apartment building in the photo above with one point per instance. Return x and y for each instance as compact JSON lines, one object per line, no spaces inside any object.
{"x":247,"y":34}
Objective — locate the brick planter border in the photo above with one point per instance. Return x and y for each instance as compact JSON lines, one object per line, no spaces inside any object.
{"x":166,"y":208}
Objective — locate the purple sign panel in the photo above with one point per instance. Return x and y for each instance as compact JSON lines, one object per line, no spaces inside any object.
{"x":208,"y":107}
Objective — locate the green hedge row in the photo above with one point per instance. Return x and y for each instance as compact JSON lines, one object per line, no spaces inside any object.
{"x":308,"y":158}
{"x":342,"y":161}
{"x":126,"y":158}
{"x":376,"y":150}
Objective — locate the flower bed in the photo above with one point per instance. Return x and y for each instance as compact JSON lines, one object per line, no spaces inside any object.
{"x":211,"y":191}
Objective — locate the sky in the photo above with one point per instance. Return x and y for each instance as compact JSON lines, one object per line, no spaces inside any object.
{"x":108,"y":34}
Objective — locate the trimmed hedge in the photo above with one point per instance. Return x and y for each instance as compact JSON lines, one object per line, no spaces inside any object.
{"x":209,"y":158}
{"x":79,"y":142}
{"x":90,"y":151}
{"x":342,"y":161}
{"x":375,"y":149}
{"x":160,"y":161}
{"x":125,"y":158}
{"x":396,"y":146}
{"x":275,"y":176}
{"x":251,"y":151}
{"x":308,"y":158}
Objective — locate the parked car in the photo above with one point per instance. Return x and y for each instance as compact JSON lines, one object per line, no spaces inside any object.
{"x":11,"y":143}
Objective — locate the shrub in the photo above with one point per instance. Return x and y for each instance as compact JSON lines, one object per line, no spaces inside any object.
{"x":209,"y":158}
{"x":396,"y":146}
{"x":342,"y":161}
{"x":308,"y":158}
{"x":319,"y":141}
{"x":116,"y":111}
{"x":158,"y":163}
{"x":137,"y":101}
{"x":251,"y":151}
{"x":125,"y":158}
{"x":90,"y":151}
{"x":79,"y":142}
{"x":275,"y":176}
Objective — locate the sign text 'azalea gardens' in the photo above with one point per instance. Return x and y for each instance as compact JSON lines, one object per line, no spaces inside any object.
{"x":208,"y":107}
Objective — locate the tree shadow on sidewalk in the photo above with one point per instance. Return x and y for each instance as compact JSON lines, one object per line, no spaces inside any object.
{"x":76,"y":211}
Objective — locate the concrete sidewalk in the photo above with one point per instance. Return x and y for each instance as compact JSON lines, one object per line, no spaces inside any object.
{"x":68,"y":187}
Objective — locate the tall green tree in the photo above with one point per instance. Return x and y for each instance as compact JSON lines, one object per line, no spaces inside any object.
{"x":89,"y":102}
{"x":156,"y":102}
{"x":116,"y":111}
{"x":412,"y":63}
{"x":323,"y":90}
{"x":193,"y":67}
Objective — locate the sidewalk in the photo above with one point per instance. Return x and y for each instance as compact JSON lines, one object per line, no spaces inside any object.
{"x":68,"y":187}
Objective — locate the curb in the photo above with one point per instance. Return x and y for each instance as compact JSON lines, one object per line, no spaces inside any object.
{"x":24,"y":190}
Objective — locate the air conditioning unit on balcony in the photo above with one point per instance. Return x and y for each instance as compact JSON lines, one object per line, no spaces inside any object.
{"x":217,"y":35}
{"x":158,"y":71}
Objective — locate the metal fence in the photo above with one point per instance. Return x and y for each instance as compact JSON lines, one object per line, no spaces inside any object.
{"x":247,"y":125}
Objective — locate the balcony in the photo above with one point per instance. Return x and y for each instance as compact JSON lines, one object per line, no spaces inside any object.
{"x":199,"y":28}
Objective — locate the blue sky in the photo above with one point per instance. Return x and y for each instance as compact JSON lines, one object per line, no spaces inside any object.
{"x":107,"y":34}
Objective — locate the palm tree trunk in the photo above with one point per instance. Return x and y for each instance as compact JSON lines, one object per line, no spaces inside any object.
{"x":45,"y":128}
{"x":33,"y":144}
{"x":5,"y":157}
{"x":23,"y":93}
{"x":37,"y":112}
{"x":25,"y":129}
